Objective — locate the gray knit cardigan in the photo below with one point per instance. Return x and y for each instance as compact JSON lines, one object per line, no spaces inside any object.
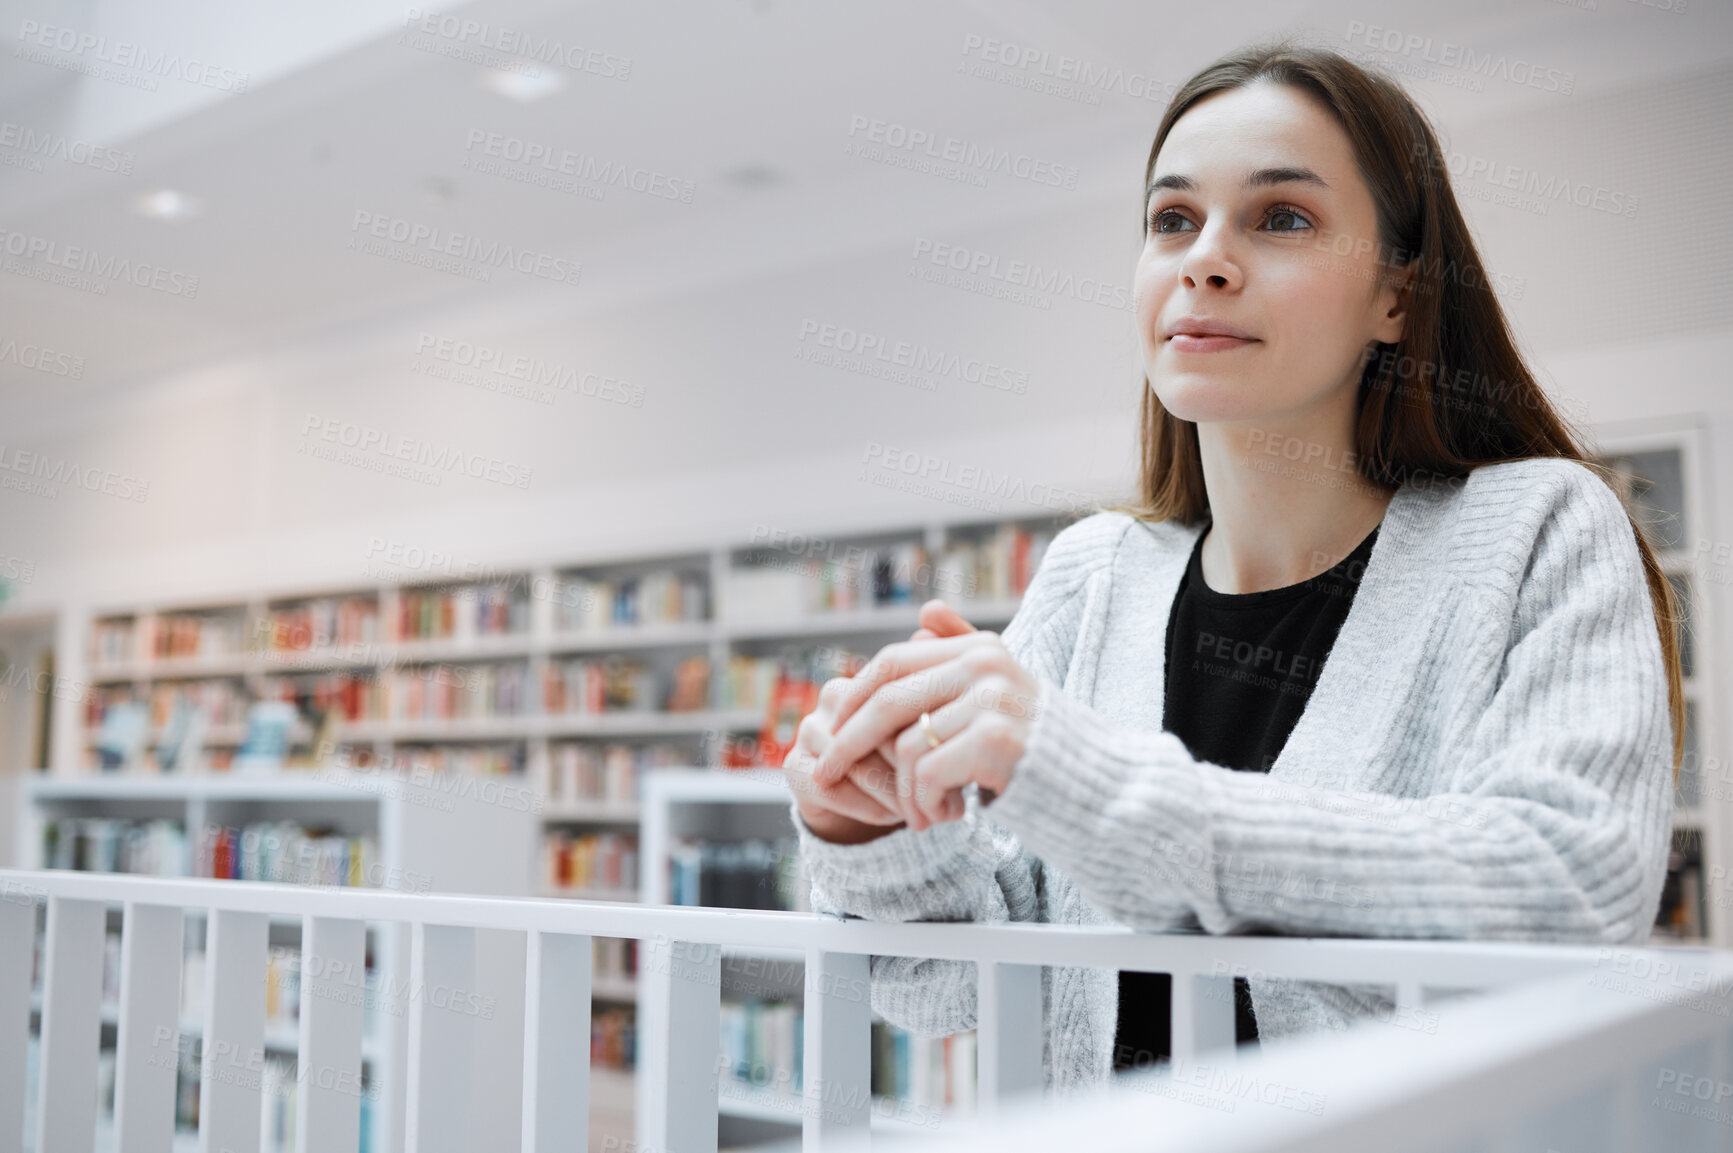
{"x":1486,"y":755}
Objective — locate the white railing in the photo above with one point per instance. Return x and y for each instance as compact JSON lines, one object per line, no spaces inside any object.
{"x":1571,"y":1037}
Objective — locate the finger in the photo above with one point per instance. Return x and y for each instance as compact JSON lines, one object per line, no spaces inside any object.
{"x":942,"y":620}
{"x":875,"y":777}
{"x":951,"y":723}
{"x":851,"y":801}
{"x":895,"y":661}
{"x":841,"y":797}
{"x":893,"y":707}
{"x":897,"y":798}
{"x":941,"y":774}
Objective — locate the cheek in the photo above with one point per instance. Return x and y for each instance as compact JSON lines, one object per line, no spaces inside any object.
{"x":1149,"y":292}
{"x":1322,"y":304}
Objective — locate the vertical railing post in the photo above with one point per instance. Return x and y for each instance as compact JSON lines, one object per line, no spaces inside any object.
{"x":71,"y":1025}
{"x":686,"y":997}
{"x":17,"y":947}
{"x":556,"y":1103}
{"x":232,"y":1069}
{"x":1203,"y":1016}
{"x":147,"y":1044}
{"x":1009,"y":1033}
{"x":836,"y":1078}
{"x":328,"y":1061}
{"x":441,"y":1039}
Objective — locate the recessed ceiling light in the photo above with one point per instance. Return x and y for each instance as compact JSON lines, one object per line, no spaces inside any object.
{"x":522,"y":86}
{"x":167,"y":204}
{"x":753,"y":175}
{"x":439,"y":190}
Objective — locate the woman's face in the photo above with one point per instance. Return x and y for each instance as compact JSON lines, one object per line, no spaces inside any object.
{"x":1259,"y":220}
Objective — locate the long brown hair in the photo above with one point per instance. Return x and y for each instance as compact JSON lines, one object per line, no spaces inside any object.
{"x":1456,"y":336}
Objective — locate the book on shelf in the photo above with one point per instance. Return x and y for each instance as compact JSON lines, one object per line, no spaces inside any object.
{"x":691,"y":689}
{"x":763,"y":1044}
{"x":446,"y":612}
{"x":499,"y":610}
{"x":266,"y":747}
{"x":322,"y":623}
{"x":614,"y":958}
{"x":790,"y":701}
{"x":772,"y":585}
{"x":791,"y":681}
{"x":590,"y":861}
{"x":121,"y":739}
{"x":452,"y":692}
{"x":350,"y":696}
{"x":288,"y":853}
{"x":606,"y":773}
{"x":474,"y":760}
{"x":183,"y":740}
{"x":750,"y":874}
{"x":111,"y":641}
{"x":156,"y":847}
{"x":994,"y":567}
{"x":932,"y":1073}
{"x":179,"y":635}
{"x":587,"y":686}
{"x":614,"y":1038}
{"x":224,"y":699}
{"x":424,"y":614}
{"x":663,"y":597}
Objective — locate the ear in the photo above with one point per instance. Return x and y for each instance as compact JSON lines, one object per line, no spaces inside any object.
{"x":1395,"y":294}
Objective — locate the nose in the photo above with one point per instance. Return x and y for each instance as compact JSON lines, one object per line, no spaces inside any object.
{"x":1207,"y":261}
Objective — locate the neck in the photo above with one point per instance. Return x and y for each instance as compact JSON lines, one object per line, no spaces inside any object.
{"x":1285,"y":506}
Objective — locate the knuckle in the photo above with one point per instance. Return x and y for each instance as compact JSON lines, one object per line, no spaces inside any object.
{"x":813,"y":736}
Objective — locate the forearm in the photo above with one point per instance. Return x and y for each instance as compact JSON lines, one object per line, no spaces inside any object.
{"x":1147,"y":831}
{"x":944,"y":873}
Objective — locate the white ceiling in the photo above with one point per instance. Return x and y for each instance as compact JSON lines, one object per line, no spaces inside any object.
{"x":701,"y":305}
{"x":341,"y":117}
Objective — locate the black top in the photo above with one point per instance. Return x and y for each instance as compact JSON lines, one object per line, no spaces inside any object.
{"x":1240,"y":668}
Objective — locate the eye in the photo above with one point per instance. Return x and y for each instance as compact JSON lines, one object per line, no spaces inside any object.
{"x":1289,"y":214}
{"x":1158,"y":221}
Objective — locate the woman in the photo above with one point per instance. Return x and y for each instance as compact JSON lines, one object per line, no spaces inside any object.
{"x":1343,"y":457}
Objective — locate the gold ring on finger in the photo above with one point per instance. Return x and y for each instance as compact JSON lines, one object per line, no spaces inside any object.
{"x":933,"y":740}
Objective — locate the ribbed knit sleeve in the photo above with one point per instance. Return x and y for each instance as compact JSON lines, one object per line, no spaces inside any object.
{"x":1551,"y":822}
{"x":967,"y":869}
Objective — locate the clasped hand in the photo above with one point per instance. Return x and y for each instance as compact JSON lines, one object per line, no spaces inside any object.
{"x":862,"y":766}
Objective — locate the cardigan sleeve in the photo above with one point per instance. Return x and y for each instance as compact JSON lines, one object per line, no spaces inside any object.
{"x":968,"y":869}
{"x":1552,"y":823}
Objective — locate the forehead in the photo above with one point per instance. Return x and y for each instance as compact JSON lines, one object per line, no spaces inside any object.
{"x":1261,"y":125}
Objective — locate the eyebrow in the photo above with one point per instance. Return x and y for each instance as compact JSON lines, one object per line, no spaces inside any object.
{"x":1257,"y":178}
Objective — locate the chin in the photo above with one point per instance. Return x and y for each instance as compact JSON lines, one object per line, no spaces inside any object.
{"x":1200,"y":399}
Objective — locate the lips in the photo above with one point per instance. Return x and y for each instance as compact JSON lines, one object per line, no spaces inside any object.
{"x":1199,"y":326}
{"x":1203,"y":334}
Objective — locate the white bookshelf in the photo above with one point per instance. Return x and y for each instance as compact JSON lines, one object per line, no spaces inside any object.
{"x":419,"y":832}
{"x":721,"y":806}
{"x":407,"y":839}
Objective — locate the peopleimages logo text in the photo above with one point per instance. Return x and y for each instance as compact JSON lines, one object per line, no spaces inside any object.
{"x":365,"y":439}
{"x":125,"y":54}
{"x":40,"y":144}
{"x":1448,"y":54}
{"x":518,"y":42}
{"x":962,"y":152}
{"x":77,"y":258}
{"x":463,"y":246}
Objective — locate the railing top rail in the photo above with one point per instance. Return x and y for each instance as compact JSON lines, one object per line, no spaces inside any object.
{"x":1489,"y":1066}
{"x":1436,"y":963}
